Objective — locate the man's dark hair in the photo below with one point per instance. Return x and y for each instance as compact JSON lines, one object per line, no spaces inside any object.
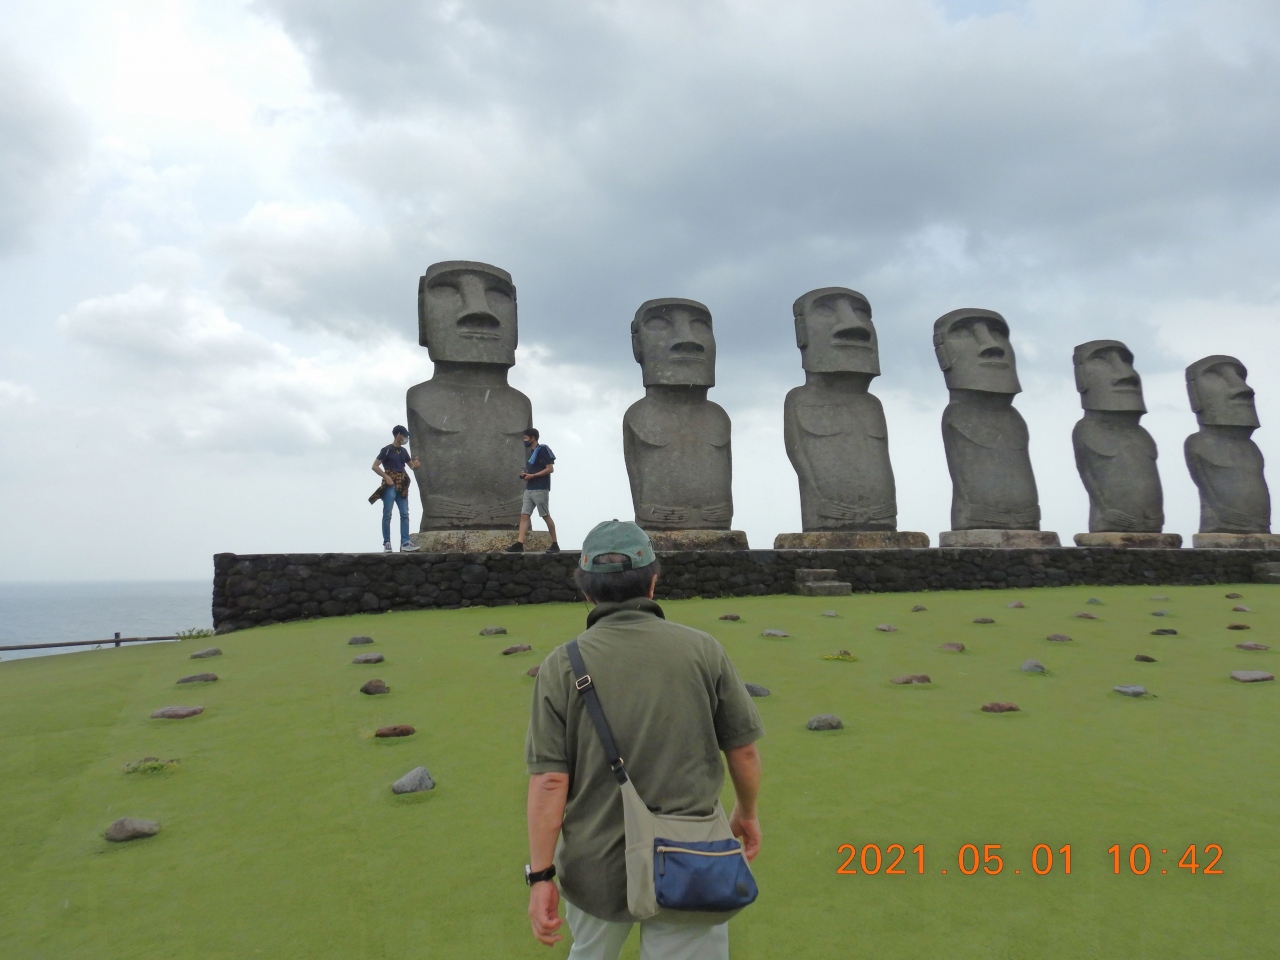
{"x":531,"y":432}
{"x":616,"y":587}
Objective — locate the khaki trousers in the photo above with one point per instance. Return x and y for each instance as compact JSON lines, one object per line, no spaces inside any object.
{"x":595,"y":939}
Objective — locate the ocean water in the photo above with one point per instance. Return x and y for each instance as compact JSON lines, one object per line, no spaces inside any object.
{"x":53,"y":612}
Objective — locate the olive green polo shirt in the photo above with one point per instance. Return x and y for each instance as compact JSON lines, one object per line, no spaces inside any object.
{"x":673,"y":700}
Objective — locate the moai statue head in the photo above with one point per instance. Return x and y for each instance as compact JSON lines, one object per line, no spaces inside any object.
{"x":974,"y":352}
{"x":467,"y":313}
{"x":1219,"y":395}
{"x":673,"y":343}
{"x":1105,"y":377}
{"x":834,"y":332}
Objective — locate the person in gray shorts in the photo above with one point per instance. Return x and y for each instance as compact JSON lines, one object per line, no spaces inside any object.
{"x":537,"y":491}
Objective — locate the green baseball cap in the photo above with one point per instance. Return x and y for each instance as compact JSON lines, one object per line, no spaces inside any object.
{"x":616,"y":536}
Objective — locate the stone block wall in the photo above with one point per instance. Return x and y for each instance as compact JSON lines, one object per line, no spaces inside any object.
{"x":258,"y":589}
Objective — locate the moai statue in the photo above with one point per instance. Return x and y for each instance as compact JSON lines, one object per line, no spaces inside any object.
{"x":675,"y":440}
{"x":835,"y":430}
{"x":466,"y":421}
{"x":994,"y":502}
{"x":1116,"y":457}
{"x":1225,"y":463}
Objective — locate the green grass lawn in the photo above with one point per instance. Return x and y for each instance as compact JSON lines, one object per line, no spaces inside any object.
{"x":281,"y":837}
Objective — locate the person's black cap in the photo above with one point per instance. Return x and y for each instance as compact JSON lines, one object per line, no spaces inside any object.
{"x":400,"y":430}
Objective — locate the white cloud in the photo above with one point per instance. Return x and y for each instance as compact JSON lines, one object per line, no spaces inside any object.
{"x":15,"y":393}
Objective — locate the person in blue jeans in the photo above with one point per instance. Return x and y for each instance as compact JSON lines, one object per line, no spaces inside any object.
{"x":391,"y":467}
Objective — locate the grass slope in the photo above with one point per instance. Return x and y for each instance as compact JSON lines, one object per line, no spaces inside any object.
{"x":281,"y":837}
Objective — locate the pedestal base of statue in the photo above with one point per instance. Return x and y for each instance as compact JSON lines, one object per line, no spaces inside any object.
{"x":667,"y":540}
{"x":1137,"y":541}
{"x":851,"y":540}
{"x":999,"y":539}
{"x":477,"y":541}
{"x":1236,"y":541}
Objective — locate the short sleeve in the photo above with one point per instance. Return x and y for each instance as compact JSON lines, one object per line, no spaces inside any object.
{"x":737,"y":721}
{"x":545,"y":746}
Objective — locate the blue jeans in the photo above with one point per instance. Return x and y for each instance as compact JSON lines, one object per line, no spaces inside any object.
{"x":389,"y":496}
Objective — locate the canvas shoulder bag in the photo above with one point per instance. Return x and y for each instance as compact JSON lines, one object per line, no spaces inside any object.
{"x":679,"y":869}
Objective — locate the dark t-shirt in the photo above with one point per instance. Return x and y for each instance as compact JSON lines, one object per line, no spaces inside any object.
{"x":540,"y":457}
{"x":394,"y":458}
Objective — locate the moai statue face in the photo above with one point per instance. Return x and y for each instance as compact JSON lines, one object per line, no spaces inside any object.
{"x":974,"y":352}
{"x":467,"y":313}
{"x":1219,"y":395}
{"x":673,"y":343}
{"x":834,"y":332}
{"x":1105,"y":377}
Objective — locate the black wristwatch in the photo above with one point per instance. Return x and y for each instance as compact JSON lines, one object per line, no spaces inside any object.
{"x":530,"y":878}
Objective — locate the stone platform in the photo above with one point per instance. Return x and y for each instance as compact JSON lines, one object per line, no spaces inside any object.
{"x":1236,"y":541}
{"x":851,"y":540}
{"x":1150,"y":541}
{"x":664,"y":540}
{"x":1000,"y":539}
{"x":477,"y":541}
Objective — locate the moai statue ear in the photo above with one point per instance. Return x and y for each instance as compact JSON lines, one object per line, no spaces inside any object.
{"x":1081,"y":386}
{"x":941,"y":352}
{"x":802,"y":333}
{"x":636,"y":351}
{"x":1193,"y":394}
{"x":422,"y":310}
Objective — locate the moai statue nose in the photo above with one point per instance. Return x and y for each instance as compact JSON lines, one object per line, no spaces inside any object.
{"x":988,"y":349}
{"x":475,"y":313}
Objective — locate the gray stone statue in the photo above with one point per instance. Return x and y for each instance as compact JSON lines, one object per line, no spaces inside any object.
{"x":835,"y":430}
{"x":466,"y":421}
{"x":994,"y":502}
{"x":1225,"y":463}
{"x":1116,"y":457}
{"x":675,"y":440}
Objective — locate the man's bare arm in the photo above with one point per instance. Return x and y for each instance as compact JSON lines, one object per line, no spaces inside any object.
{"x":548,"y":793}
{"x":744,"y":771}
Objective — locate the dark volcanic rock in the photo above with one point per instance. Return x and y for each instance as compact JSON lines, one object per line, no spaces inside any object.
{"x":729,"y":616}
{"x":1143,"y":658}
{"x":1252,"y":646}
{"x":1094,"y":600}
{"x":373,"y":687}
{"x":775,"y":633}
{"x":415,"y":781}
{"x":1058,"y":638}
{"x":1086,"y":616}
{"x":533,"y":671}
{"x":1159,"y":613}
{"x":1164,"y":632}
{"x":912,"y":678}
{"x":886,"y":628}
{"x":396,"y":730}
{"x":492,"y":631}
{"x":1032,"y":666}
{"x":359,"y":641}
{"x":369,"y":658}
{"x":1130,"y":690}
{"x":1237,"y":626}
{"x":918,"y":609}
{"x":128,"y":828}
{"x":205,"y":654}
{"x":1251,"y":676}
{"x":1017,"y":605}
{"x":516,"y":648}
{"x":955,"y":647}
{"x":825,"y":721}
{"x":755,"y":690}
{"x":176,"y":713}
{"x":983,"y":620}
{"x":200,"y":678}
{"x":1235,"y":596}
{"x":1000,"y":706}
{"x":1240,"y":609}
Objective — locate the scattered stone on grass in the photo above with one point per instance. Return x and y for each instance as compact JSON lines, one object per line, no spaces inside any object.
{"x":912,"y":678}
{"x":1130,"y":690}
{"x":1032,"y":666}
{"x":830,"y":613}
{"x":1237,"y":626}
{"x":886,"y":628}
{"x":729,"y":616}
{"x":983,"y":620}
{"x":373,"y":687}
{"x":1239,"y":608}
{"x":396,"y":730}
{"x":359,"y":641}
{"x":1143,"y":658}
{"x":200,"y":678}
{"x":130,"y":828}
{"x":205,"y":654}
{"x":369,"y":658}
{"x":755,"y":690}
{"x":841,"y":655}
{"x":1252,"y":646}
{"x":1160,"y":596}
{"x":775,"y":633}
{"x":1235,"y":596}
{"x":825,"y":721}
{"x":415,"y":781}
{"x":516,"y":648}
{"x":1017,"y":605}
{"x":918,"y":609}
{"x":1095,"y":601}
{"x":533,"y":671}
{"x":1000,"y":706}
{"x":149,"y":765}
{"x":1251,"y":676}
{"x":1058,"y":638}
{"x":1159,"y":613}
{"x":955,"y":647}
{"x":1164,"y":632}
{"x":492,"y":631}
{"x":176,"y":713}
{"x":1086,"y":616}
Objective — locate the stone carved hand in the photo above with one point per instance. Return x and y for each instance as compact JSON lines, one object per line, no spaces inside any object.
{"x":835,"y":510}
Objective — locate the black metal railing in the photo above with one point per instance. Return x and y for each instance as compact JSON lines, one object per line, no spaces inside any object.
{"x":114,"y":641}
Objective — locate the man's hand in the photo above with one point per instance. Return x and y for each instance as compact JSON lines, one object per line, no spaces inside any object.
{"x":414,"y":463}
{"x":387,"y":481}
{"x":544,"y":912}
{"x":746,"y":830}
{"x":524,"y":476}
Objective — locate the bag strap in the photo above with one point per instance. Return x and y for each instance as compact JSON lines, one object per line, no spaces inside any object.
{"x":584,"y":686}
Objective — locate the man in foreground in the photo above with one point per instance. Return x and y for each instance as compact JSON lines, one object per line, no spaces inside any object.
{"x":674,"y":702}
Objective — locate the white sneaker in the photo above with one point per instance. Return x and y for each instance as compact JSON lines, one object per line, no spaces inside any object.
{"x":386,"y":547}
{"x":407,"y":547}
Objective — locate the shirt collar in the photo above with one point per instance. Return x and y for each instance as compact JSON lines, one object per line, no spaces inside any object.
{"x":639,"y":604}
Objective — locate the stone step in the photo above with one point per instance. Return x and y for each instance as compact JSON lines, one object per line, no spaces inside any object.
{"x":825,"y":588}
{"x":803,"y":576}
{"x":1266,"y":573}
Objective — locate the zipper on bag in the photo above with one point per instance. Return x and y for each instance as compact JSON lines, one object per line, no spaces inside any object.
{"x":662,"y":852}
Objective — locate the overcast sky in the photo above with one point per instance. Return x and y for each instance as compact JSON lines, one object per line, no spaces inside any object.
{"x":213,"y":216}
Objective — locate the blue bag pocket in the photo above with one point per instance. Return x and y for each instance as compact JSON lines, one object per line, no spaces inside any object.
{"x":706,"y":875}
